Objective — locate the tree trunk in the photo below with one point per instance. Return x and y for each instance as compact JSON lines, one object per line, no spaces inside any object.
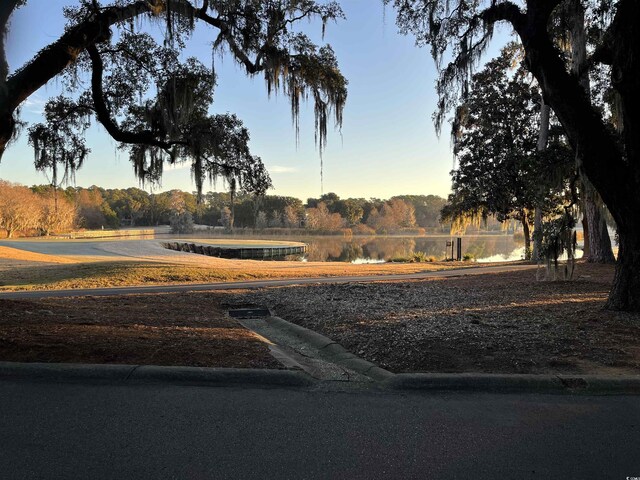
{"x":614,"y":174}
{"x":233,"y":206}
{"x":586,"y":249}
{"x":596,"y":236}
{"x":527,"y":236}
{"x":624,"y":294}
{"x":537,"y":235}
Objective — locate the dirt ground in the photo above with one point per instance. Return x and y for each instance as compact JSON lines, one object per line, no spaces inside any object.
{"x":496,"y":323}
{"x":142,"y":329}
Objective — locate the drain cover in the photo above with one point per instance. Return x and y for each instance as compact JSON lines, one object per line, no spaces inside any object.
{"x":250,"y":312}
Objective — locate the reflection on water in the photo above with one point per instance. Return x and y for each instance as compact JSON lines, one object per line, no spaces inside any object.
{"x":517,"y":254}
{"x":484,"y":248}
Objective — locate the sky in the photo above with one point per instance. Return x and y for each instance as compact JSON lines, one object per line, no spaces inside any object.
{"x":387,"y":145}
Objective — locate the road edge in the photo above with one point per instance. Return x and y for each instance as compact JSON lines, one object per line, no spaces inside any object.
{"x":517,"y":383}
{"x":415,"y":382}
{"x":152,"y":373}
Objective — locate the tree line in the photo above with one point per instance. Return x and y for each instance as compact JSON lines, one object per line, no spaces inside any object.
{"x":44,"y":210}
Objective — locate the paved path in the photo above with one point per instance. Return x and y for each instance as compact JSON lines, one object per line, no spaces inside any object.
{"x":145,"y":431}
{"x":260,"y":283}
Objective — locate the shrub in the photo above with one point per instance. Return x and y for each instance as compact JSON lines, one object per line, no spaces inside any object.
{"x":181,"y":222}
{"x":468,"y":257}
{"x":415,"y":257}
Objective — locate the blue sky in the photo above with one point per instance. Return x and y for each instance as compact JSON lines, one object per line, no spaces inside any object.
{"x":387,"y":145}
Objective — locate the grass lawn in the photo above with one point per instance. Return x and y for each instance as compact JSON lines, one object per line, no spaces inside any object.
{"x":18,"y":274}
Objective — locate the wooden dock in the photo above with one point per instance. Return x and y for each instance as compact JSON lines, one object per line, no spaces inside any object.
{"x":244,"y":252}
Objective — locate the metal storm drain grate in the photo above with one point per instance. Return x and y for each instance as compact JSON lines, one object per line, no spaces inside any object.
{"x":255,"y":312}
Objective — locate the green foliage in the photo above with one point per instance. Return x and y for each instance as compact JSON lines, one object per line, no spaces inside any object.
{"x":427,"y":208}
{"x":557,"y":238}
{"x":495,"y":134}
{"x":499,"y":169}
{"x":415,"y":257}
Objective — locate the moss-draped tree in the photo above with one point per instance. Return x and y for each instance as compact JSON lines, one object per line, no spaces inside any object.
{"x":153,"y":104}
{"x":460,"y":31}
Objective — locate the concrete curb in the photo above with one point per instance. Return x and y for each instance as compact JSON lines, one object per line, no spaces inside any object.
{"x":497,"y":383}
{"x":150,"y":373}
{"x":429,"y":382}
{"x":331,"y":351}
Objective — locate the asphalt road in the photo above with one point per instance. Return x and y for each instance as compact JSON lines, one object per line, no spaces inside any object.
{"x":69,"y":431}
{"x":258,"y":283}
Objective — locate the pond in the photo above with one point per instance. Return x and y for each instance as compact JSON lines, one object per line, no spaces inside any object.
{"x":487,"y":248}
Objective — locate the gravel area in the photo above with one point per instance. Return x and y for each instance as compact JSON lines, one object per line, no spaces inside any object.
{"x":497,"y":323}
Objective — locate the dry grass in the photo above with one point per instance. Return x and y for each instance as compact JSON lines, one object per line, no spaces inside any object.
{"x":41,"y":276}
{"x":18,"y":256}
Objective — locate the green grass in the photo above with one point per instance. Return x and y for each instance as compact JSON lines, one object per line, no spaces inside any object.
{"x":415,"y":257}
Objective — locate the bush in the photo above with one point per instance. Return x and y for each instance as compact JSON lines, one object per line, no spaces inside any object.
{"x":415,"y":257}
{"x":181,"y":222}
{"x":468,"y":257}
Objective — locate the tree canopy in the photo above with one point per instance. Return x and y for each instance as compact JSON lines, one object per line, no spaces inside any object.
{"x":499,"y":170}
{"x":458,"y":33}
{"x":155,"y":105}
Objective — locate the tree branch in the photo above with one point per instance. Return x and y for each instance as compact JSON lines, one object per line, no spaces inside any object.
{"x":504,"y":11}
{"x":50,"y":61}
{"x":145,"y":137}
{"x":7,"y":7}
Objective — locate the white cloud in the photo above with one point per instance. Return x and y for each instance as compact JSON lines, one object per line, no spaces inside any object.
{"x":34,"y":104}
{"x":176,"y":166}
{"x":281,"y":169}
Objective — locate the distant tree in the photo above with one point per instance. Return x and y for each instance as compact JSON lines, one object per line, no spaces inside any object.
{"x":320,"y":218}
{"x":292,"y":217}
{"x":181,"y":222}
{"x":275,"y":219}
{"x":427,"y":208}
{"x":56,"y":215}
{"x":181,"y":219}
{"x":329,"y":199}
{"x":350,"y":209}
{"x":394,"y":215}
{"x":19,"y":208}
{"x":261,"y":220}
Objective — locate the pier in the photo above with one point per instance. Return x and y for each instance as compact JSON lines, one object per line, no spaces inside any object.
{"x":241,"y":252}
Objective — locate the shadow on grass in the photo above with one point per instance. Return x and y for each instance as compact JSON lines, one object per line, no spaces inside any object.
{"x":105,"y":274}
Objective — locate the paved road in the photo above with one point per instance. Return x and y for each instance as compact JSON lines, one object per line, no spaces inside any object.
{"x":69,"y":431}
{"x":259,"y":283}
